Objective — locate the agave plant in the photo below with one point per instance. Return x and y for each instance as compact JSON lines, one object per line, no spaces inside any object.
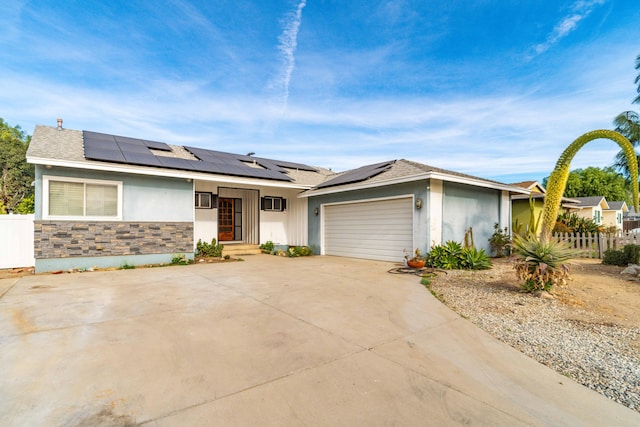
{"x":542,"y":264}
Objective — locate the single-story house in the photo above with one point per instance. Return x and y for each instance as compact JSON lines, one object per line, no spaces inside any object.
{"x":521,"y":205}
{"x":106,"y":200}
{"x":590,"y":208}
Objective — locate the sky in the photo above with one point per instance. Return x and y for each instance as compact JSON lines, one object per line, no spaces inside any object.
{"x":492,"y":88}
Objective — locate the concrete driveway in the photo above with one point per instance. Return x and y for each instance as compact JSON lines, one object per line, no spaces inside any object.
{"x":268,"y":341}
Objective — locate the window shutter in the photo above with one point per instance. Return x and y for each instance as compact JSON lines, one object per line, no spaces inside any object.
{"x":261,"y":203}
{"x":284,"y":204}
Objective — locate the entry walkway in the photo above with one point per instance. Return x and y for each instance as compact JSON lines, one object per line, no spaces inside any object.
{"x":268,"y":341}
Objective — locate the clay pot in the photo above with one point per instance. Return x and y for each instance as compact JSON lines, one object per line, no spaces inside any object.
{"x":413,"y":263}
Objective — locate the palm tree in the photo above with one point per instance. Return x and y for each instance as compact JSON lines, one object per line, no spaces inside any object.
{"x":628,"y":124}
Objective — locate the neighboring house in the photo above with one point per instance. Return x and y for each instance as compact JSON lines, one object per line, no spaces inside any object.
{"x":104,"y":200}
{"x":590,"y":208}
{"x":521,"y":205}
{"x":614,"y":216}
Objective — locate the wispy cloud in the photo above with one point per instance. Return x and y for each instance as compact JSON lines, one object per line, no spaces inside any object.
{"x":288,"y":42}
{"x":578,"y":11}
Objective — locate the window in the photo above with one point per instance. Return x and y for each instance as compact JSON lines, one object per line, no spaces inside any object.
{"x":205,"y":200}
{"x":270,"y":203}
{"x":68,"y":198}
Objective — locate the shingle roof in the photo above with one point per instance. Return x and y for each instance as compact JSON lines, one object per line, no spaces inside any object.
{"x":616,"y":206}
{"x":588,"y":201}
{"x":67,"y":145}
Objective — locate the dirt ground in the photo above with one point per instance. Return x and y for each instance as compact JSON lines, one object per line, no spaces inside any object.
{"x":596,"y":293}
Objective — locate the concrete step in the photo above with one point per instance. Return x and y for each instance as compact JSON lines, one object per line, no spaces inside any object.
{"x":237,"y":249}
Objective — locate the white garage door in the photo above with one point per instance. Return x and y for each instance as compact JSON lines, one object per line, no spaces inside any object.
{"x":379,"y":229}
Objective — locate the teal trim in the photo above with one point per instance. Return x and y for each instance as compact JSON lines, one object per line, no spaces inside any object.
{"x":64,"y":264}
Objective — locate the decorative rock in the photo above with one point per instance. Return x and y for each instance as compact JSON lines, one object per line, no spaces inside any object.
{"x":631,"y":270}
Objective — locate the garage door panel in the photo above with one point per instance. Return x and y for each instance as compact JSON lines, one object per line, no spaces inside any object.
{"x":379,"y":230}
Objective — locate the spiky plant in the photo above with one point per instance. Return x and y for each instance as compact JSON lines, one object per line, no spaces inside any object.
{"x":541,"y":264}
{"x":558,"y":178}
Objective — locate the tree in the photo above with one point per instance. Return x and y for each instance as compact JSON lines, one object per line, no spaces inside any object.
{"x":628,"y":125}
{"x":594,"y":181}
{"x":16,"y":175}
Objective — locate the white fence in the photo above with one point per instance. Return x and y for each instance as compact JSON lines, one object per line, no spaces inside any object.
{"x":593,"y":245}
{"x":16,"y":241}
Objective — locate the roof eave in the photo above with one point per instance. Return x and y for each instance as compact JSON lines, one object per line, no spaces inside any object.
{"x":168,"y":173}
{"x":418,"y":177}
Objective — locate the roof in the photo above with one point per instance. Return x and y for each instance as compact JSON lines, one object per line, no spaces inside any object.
{"x":587,"y":202}
{"x":92,"y":150}
{"x":98,"y":151}
{"x":398,"y":171}
{"x":534,"y":186}
{"x":618,"y":206}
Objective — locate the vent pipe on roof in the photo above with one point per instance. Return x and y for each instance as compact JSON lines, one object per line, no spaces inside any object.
{"x":59,"y":124}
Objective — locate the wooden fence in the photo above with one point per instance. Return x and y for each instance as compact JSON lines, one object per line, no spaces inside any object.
{"x":593,"y":245}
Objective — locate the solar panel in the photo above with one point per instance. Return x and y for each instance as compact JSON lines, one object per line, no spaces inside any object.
{"x":127,"y":147}
{"x":142,"y":159}
{"x":357,"y":175}
{"x":97,"y":153}
{"x":175,"y":163}
{"x":157,"y":145}
{"x":127,"y":140}
{"x":121,"y":149}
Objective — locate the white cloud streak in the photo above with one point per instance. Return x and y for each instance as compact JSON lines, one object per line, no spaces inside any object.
{"x":288,"y":42}
{"x":579,"y":11}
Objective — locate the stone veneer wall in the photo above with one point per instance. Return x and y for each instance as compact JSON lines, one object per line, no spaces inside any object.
{"x":64,"y":239}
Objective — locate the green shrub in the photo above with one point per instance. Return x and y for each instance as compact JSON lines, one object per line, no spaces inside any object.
{"x":630,"y":254}
{"x":205,"y":249}
{"x":267,"y":247}
{"x":179,"y":259}
{"x":296,"y":251}
{"x":452,"y":256}
{"x":499,"y":241}
{"x":475,"y":259}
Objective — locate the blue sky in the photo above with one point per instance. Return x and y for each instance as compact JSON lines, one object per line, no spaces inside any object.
{"x":493,"y":88}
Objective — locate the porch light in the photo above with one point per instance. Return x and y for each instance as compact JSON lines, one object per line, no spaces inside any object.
{"x":418,"y":203}
{"x":315,"y":211}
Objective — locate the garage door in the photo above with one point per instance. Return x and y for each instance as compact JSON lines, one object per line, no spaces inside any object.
{"x":379,"y":229}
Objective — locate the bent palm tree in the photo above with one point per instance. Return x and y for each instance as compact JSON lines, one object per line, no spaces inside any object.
{"x":558,"y":178}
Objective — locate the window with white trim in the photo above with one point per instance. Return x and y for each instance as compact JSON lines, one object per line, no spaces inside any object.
{"x":271,"y":203}
{"x":206,"y":200}
{"x":71,"y":198}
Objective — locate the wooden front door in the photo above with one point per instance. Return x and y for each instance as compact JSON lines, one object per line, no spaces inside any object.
{"x":225,"y":220}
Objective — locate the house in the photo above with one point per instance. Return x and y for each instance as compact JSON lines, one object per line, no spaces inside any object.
{"x":614,"y":216}
{"x":591,"y":208}
{"x":106,"y":200}
{"x":522,"y":205}
{"x":379,"y":210}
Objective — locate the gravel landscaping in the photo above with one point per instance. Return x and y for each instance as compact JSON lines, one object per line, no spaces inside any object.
{"x":582,"y":344}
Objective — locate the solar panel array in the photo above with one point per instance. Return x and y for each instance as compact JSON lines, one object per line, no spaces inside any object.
{"x":358,"y":175}
{"x":119,"y":149}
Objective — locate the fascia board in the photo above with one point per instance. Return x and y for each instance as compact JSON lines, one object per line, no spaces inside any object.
{"x":419,"y":177}
{"x":170,"y":173}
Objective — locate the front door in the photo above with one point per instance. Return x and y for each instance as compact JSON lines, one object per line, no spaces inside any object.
{"x":226,"y":224}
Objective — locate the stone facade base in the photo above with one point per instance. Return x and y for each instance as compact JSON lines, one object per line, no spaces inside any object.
{"x":64,"y":239}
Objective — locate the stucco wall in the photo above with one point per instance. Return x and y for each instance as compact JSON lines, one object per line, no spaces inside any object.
{"x":145,"y":198}
{"x":421,"y":216}
{"x":467,"y":206}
